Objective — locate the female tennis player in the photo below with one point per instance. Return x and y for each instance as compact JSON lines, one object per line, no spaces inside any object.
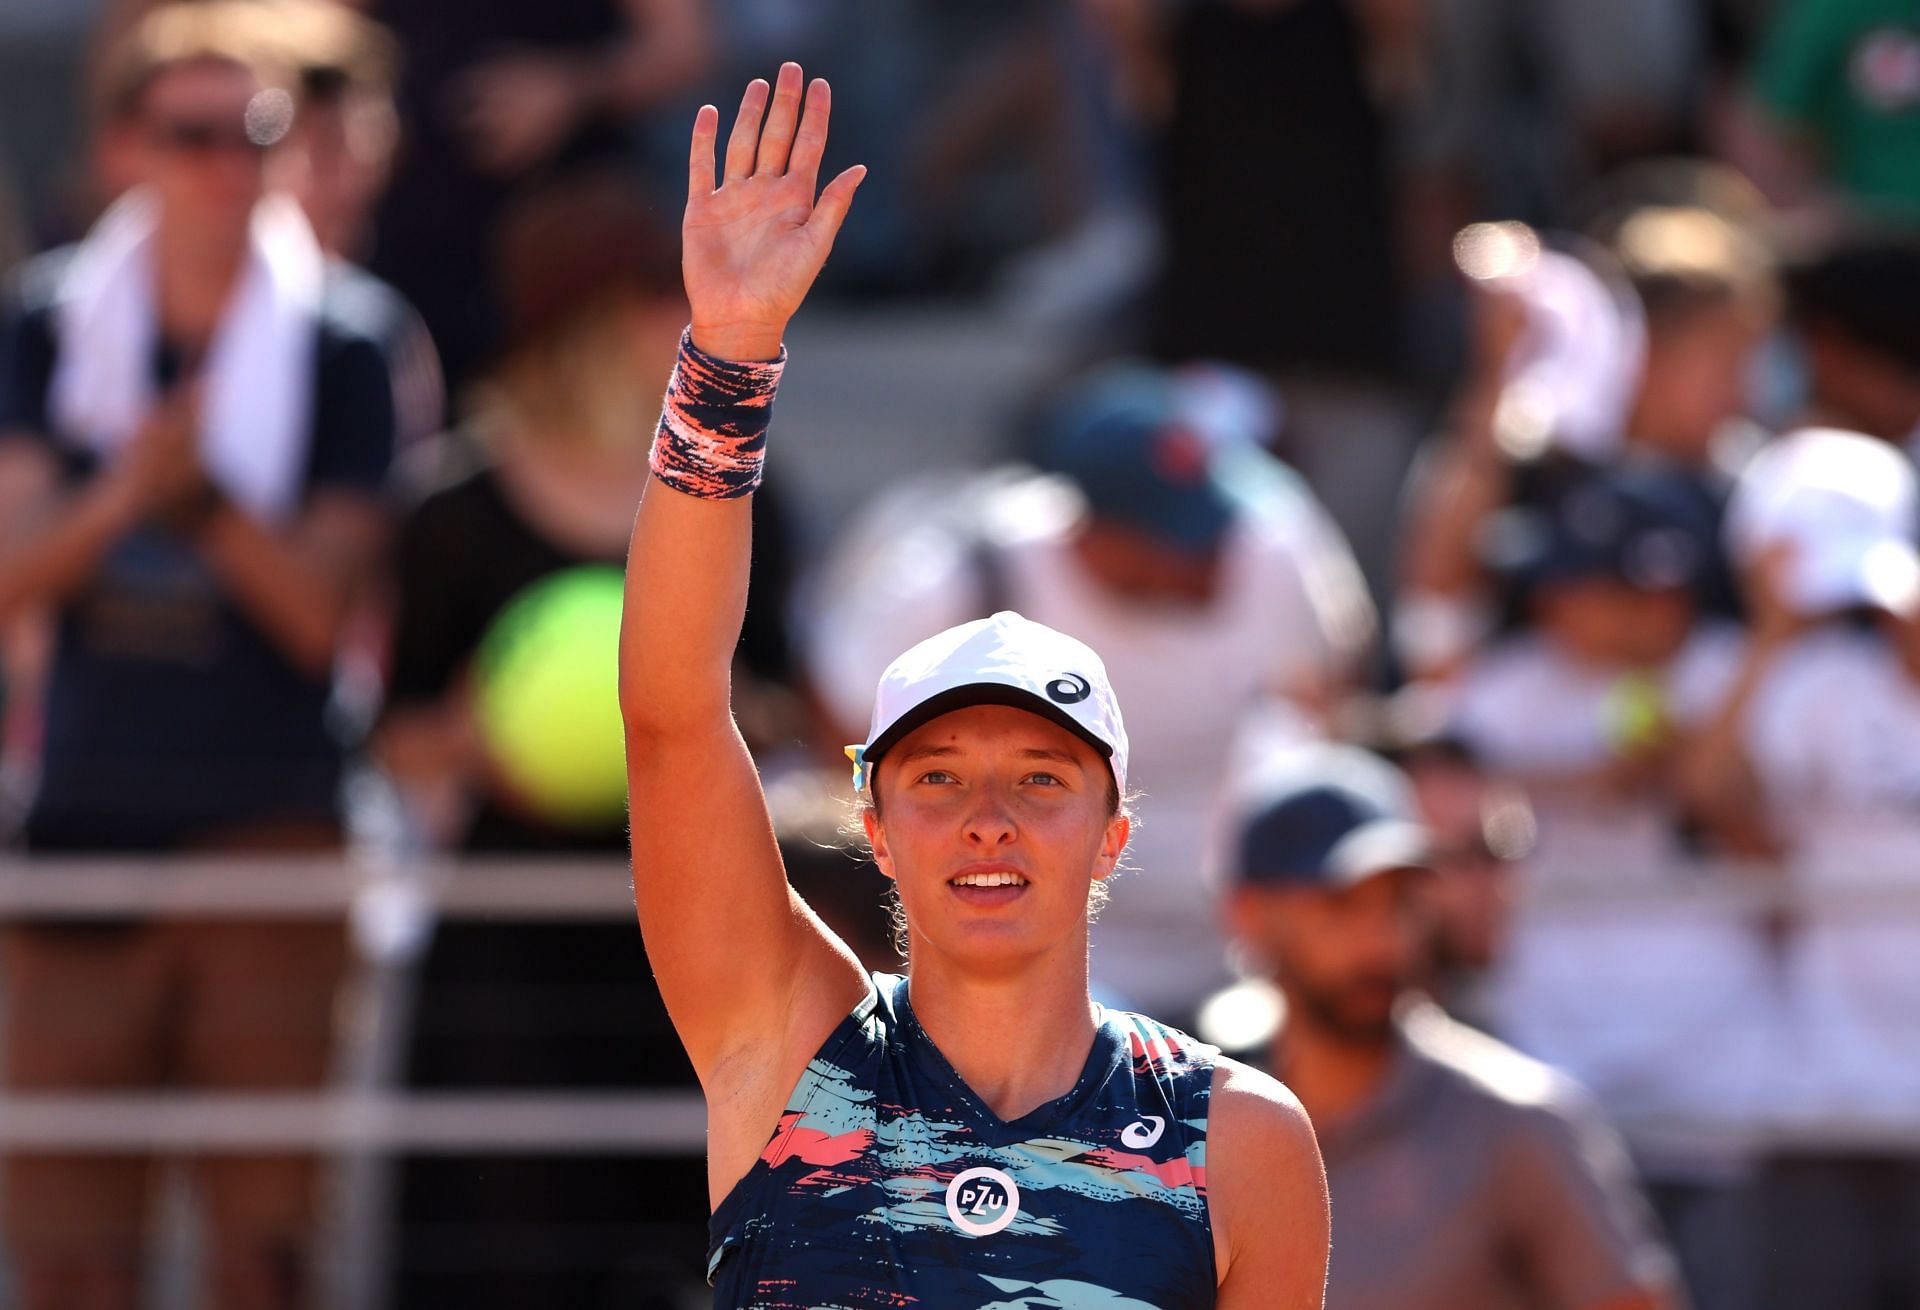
{"x":979,"y":1133}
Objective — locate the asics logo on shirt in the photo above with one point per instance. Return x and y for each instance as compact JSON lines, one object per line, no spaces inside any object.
{"x":1138,"y":1135}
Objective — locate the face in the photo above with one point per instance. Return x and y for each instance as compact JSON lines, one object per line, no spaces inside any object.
{"x":1342,"y":956}
{"x":339,"y":156}
{"x":1140,"y":567}
{"x":1696,"y":377}
{"x":1607,"y":622}
{"x":994,"y":824}
{"x":1470,"y":891}
{"x":193,"y":147}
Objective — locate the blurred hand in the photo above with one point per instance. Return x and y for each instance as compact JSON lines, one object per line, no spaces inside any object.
{"x":1499,"y":318}
{"x":751,"y":249}
{"x":159,"y":467}
{"x":517,"y":110}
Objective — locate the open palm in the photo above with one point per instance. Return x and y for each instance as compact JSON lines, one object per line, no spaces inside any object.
{"x":752,"y":247}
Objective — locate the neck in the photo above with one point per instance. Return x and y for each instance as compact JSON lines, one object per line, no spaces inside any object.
{"x":195,"y":276}
{"x":1018,"y":1040}
{"x":1332,"y":1074}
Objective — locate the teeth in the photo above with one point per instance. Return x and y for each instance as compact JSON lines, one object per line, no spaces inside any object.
{"x":990,"y":880}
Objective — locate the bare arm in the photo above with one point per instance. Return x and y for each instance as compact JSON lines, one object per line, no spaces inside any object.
{"x":749,"y":975}
{"x":300,"y":587}
{"x":51,"y":543}
{"x":1267,"y":1194}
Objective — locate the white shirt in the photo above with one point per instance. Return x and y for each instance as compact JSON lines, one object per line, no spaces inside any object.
{"x":1663,"y":1007}
{"x":1291,"y":604}
{"x":1834,"y":737}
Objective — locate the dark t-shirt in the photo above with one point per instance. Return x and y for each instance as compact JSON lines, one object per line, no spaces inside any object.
{"x":169,"y":713}
{"x":435,"y":226}
{"x":464,"y":553}
{"x":1274,"y":194}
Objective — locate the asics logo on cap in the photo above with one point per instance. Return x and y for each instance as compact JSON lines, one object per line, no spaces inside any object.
{"x":1070,"y":689}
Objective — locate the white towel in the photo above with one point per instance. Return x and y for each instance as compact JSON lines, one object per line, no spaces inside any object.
{"x":258,"y":388}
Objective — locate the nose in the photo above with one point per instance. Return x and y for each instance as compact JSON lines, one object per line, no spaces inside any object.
{"x":989,"y":821}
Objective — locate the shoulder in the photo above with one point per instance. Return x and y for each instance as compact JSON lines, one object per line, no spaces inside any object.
{"x":357,"y":308}
{"x":1262,"y":1155}
{"x":1532,"y":1113}
{"x":1266,"y":1190}
{"x":1256,"y":1110}
{"x":1485,"y":1069}
{"x":33,"y":291}
{"x":1824,"y":672}
{"x":1507,"y":680}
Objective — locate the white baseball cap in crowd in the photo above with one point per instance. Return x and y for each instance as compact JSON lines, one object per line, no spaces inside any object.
{"x":1846,"y":505}
{"x":1003,"y":660}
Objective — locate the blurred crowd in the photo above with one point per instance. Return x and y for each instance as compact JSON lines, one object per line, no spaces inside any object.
{"x":1478,"y":435}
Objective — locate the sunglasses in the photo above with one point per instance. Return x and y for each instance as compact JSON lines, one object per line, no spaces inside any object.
{"x":204,"y":137}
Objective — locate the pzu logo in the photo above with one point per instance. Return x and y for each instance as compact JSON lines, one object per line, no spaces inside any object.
{"x":982,"y":1201}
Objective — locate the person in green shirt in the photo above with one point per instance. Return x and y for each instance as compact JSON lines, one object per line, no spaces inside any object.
{"x":1842,"y":78}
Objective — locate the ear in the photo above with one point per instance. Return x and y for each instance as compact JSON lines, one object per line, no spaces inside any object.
{"x":877,"y":839}
{"x":1113,"y":845}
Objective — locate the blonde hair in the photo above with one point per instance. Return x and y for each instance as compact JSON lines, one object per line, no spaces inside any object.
{"x":241,"y":33}
{"x":577,"y":383}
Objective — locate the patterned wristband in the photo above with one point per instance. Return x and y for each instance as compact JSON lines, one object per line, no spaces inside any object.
{"x":712,"y":439}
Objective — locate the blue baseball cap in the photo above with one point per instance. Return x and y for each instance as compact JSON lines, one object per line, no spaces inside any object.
{"x":1335,"y":818}
{"x":1650,"y":529}
{"x":1127,"y":441}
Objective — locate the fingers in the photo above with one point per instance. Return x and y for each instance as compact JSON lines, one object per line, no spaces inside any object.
{"x":746,"y":130}
{"x":706,"y":126}
{"x":811,"y":142}
{"x":776,"y":139}
{"x":831,"y":209}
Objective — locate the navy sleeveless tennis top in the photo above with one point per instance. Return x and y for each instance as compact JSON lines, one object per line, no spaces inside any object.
{"x":889,"y":1183}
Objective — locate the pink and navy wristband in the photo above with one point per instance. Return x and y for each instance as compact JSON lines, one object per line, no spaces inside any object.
{"x":712,"y":439}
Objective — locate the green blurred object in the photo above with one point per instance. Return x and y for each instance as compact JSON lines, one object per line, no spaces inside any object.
{"x":1636,"y":713}
{"x":546,"y":690}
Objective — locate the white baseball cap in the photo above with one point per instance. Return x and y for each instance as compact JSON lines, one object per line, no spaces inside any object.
{"x":1849,"y":507}
{"x":1003,"y":660}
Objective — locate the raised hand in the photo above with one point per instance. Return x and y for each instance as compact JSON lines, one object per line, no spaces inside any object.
{"x":751,"y":248}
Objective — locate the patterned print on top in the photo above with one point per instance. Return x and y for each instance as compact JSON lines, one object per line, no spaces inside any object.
{"x":889,"y":1183}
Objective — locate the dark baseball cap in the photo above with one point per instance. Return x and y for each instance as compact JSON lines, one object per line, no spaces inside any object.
{"x":1123,"y":437}
{"x":1332,"y":817}
{"x":1649,"y":528}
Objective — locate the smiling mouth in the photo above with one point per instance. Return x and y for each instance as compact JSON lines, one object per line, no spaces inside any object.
{"x":1003,"y":879}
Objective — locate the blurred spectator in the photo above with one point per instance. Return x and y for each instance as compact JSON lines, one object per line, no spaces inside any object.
{"x":1168,"y":539}
{"x":340,"y":157}
{"x":1526,"y":102}
{"x":1641,"y":356}
{"x":1661,"y":1006}
{"x":195,"y":422}
{"x":536,"y":493}
{"x":1461,"y":1172}
{"x":1277,"y":206}
{"x":42,"y":132}
{"x":1838,"y":83}
{"x":1481,"y":827}
{"x":1819,"y":749}
{"x":1856,"y":308}
{"x":498,"y":93}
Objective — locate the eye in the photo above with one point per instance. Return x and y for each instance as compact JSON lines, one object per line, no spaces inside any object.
{"x":936,"y":776}
{"x":1049,"y":779}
